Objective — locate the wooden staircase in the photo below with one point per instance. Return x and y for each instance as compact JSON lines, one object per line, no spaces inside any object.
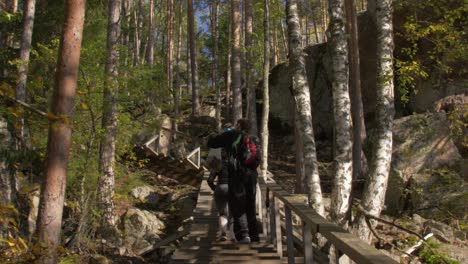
{"x":203,"y":246}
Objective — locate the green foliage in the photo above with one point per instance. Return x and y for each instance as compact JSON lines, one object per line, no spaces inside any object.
{"x":430,"y":255}
{"x":431,"y":43}
{"x":458,"y":119}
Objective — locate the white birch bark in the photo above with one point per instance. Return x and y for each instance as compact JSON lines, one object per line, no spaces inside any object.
{"x":342,"y":114}
{"x":266,"y":96}
{"x":106,"y":181}
{"x":301,"y":95}
{"x":374,"y":193}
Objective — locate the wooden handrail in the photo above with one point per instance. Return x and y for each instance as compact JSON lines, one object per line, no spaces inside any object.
{"x":313,"y":223}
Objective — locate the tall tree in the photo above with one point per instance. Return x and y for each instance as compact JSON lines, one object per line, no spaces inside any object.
{"x":11,"y":6}
{"x":106,"y":181}
{"x":215,"y":72}
{"x":236,"y":63}
{"x":266,"y":96}
{"x":138,"y":32}
{"x":374,"y":192}
{"x":229,"y":74}
{"x":301,"y":94}
{"x":275,"y":45}
{"x":177,"y":89}
{"x":252,"y":109}
{"x":150,"y":44}
{"x":170,"y":26}
{"x":170,"y":55}
{"x":25,"y":50}
{"x":49,"y":221}
{"x":357,"y":111}
{"x":342,"y":114}
{"x":193,"y":60}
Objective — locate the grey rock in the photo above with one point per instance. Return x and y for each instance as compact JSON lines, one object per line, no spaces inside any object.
{"x":146,"y":194}
{"x":141,"y":228}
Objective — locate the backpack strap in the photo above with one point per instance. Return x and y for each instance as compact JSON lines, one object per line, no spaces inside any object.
{"x":237,"y":141}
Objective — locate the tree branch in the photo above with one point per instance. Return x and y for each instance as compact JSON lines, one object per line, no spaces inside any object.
{"x":27,"y":106}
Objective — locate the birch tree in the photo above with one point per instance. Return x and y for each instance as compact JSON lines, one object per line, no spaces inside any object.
{"x":49,"y":221}
{"x":342,"y":114}
{"x":266,"y":96}
{"x":106,"y":181}
{"x":236,"y":63}
{"x":193,"y":60}
{"x":376,"y":187}
{"x":25,"y":50}
{"x":301,"y":94}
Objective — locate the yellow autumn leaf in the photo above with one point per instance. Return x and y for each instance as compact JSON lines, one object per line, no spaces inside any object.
{"x":84,"y":105}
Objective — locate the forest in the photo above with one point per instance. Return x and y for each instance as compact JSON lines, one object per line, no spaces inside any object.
{"x":106,"y":108}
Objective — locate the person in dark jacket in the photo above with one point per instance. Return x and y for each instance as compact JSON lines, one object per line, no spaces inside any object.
{"x":221,"y":193}
{"x":242,"y":186}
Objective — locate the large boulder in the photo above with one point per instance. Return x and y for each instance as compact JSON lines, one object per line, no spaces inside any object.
{"x":425,"y":166}
{"x":141,"y":228}
{"x":146,"y":194}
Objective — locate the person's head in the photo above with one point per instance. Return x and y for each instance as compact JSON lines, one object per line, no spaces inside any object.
{"x":242,"y":125}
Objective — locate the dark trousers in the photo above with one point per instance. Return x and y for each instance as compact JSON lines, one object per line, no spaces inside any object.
{"x":242,"y":195}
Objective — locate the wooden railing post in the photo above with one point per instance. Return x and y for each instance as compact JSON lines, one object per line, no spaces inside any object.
{"x":289,"y":234}
{"x":263,"y":211}
{"x":272,"y":218}
{"x":279,"y":236}
{"x":307,"y":239}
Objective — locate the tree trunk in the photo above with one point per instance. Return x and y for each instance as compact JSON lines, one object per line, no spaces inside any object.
{"x":266,"y":96}
{"x":189,"y":67}
{"x":214,"y":28}
{"x":150,"y":44}
{"x":170,"y":44}
{"x":49,"y":220}
{"x":177,"y":90}
{"x":359,"y":127}
{"x":126,"y":34}
{"x":314,"y":20}
{"x":275,"y":45}
{"x":193,"y":60}
{"x":12,"y":6}
{"x":25,"y":50}
{"x":106,"y":179}
{"x":342,"y":114}
{"x":236,"y":63}
{"x":251,"y":97}
{"x":299,"y":146}
{"x":138,"y":32}
{"x":301,"y":95}
{"x":374,"y":193}
{"x":229,"y":75}
{"x":285,"y":43}
{"x":323,"y":6}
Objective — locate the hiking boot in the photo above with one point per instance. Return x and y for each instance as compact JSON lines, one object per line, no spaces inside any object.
{"x":223,"y":237}
{"x":245,"y":240}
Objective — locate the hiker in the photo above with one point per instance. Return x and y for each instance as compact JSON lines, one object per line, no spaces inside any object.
{"x":242,"y":178}
{"x":221,"y":194}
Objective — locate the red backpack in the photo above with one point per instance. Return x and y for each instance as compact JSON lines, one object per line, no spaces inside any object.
{"x":247,"y":151}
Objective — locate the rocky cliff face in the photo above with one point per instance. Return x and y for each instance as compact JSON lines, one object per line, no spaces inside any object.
{"x":318,"y":75}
